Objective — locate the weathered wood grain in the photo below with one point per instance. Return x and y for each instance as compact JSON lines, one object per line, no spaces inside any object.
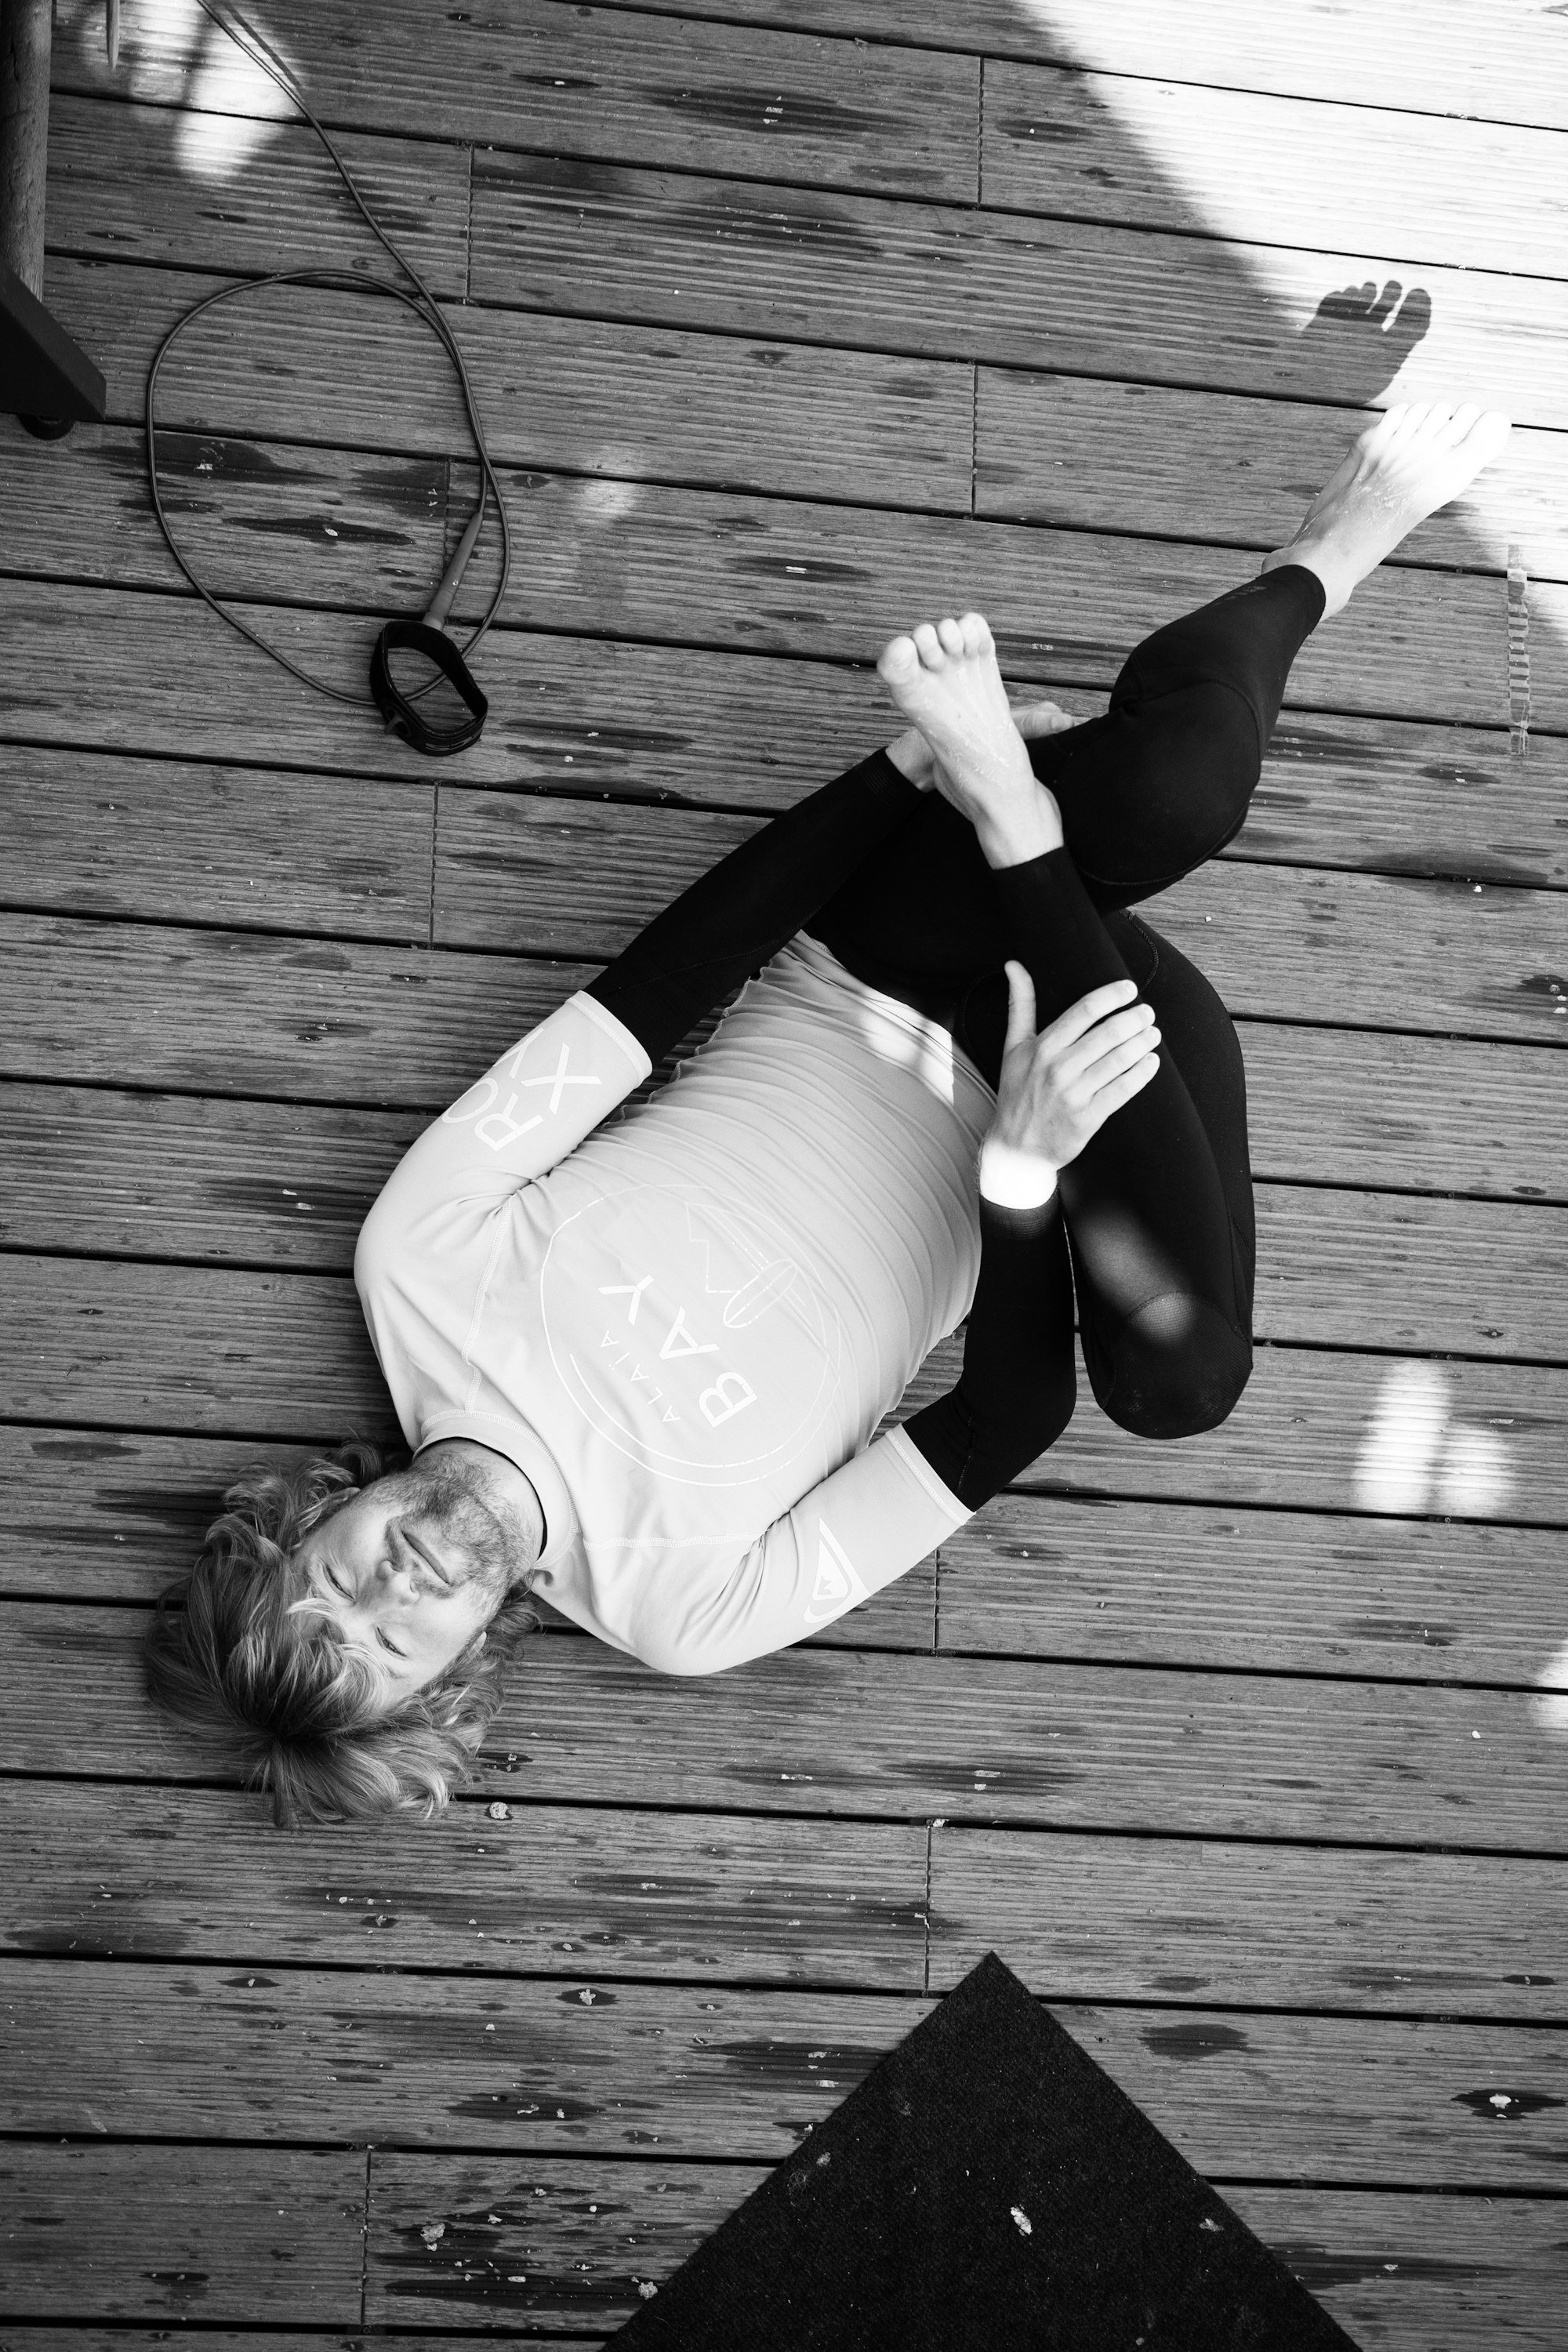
{"x":213,"y":191}
{"x":278,"y":1356}
{"x":161,"y":1873}
{"x":244,"y":1012}
{"x":541,"y":2069}
{"x":782,"y":576}
{"x":105,"y":1352}
{"x":1326,"y":1432}
{"x":294,"y":524}
{"x":740,"y":732}
{"x":1147,"y":154}
{"x":1404,"y":55}
{"x":736,"y":731}
{"x":241,"y":2235}
{"x":104,"y":835}
{"x":231,"y":1013}
{"x":1177,"y":1584}
{"x":603,"y":81}
{"x":586,"y":396}
{"x":157,"y":1874}
{"x":903,"y":1737}
{"x":1242,"y":1924}
{"x":181,"y":1176}
{"x":786,"y":576}
{"x":576,"y":2238}
{"x":1216,"y":466}
{"x":1278,"y":942}
{"x":187,"y":1176}
{"x":824,"y":268}
{"x":103,"y":1516}
{"x":106,"y":1516}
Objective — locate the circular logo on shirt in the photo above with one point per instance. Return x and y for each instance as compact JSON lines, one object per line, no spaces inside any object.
{"x":690,"y":1333}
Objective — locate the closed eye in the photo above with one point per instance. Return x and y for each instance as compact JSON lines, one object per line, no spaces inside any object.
{"x":335,"y":1580}
{"x":385,"y":1644}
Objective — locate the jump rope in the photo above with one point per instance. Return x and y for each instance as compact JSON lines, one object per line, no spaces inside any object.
{"x":426,"y":638}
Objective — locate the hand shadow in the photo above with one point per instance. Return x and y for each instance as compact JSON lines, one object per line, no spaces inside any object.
{"x":1358,"y":338}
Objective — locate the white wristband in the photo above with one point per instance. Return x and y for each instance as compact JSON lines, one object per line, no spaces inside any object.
{"x":1011,"y":1178}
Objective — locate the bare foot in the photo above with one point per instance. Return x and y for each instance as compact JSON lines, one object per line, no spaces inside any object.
{"x":945,"y":680}
{"x":1401,"y":470}
{"x":913,"y":757}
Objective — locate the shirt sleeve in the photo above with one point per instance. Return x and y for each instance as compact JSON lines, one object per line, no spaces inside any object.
{"x":528,"y":1111}
{"x":864,"y":1527}
{"x":728,"y":924}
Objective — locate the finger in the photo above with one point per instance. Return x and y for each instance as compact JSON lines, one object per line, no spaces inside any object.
{"x":1123,"y":1089}
{"x":1071,"y":1024}
{"x":1110,"y":1066}
{"x":1034,"y":719}
{"x":1069,"y":1062}
{"x":1020,"y":1008}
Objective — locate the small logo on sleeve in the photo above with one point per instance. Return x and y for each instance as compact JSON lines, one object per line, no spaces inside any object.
{"x":839,"y":1585}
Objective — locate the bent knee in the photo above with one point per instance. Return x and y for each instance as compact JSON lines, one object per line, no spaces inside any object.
{"x":1178,"y":1367}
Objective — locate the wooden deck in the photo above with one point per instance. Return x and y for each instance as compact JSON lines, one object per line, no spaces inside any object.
{"x":792,"y":320}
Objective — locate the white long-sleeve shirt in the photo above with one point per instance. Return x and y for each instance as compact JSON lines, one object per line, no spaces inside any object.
{"x":684,"y":1325}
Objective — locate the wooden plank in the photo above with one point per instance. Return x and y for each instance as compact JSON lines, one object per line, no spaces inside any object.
{"x":212,"y":190}
{"x":707,"y":2073}
{"x":722,"y":729}
{"x":157,"y":1874}
{"x":1215,"y":466}
{"x":1326,"y":1432}
{"x":783,"y":576}
{"x":826,"y":267}
{"x":172,"y":2233}
{"x":1268,"y":170}
{"x":584,"y":395}
{"x":1409,"y":2273}
{"x":110,"y":1352}
{"x":329,"y":528}
{"x":1402,"y":55}
{"x":1427,"y":1276}
{"x":187,"y":1176}
{"x":577,"y":2240}
{"x":1275,"y":941}
{"x":1177,"y":1584}
{"x":278,"y":1356}
{"x":1112,"y":1748}
{"x":113,"y":1518}
{"x":183,"y":1176}
{"x":1237,"y":1925}
{"x":218,"y":1348}
{"x":104,"y":834}
{"x":786,"y":576}
{"x":603,"y":81}
{"x":245,"y":1014}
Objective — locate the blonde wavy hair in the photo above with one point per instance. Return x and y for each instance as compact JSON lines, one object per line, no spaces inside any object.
{"x":236,"y":1660}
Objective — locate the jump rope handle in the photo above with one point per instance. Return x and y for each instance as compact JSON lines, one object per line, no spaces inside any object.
{"x":428,"y":638}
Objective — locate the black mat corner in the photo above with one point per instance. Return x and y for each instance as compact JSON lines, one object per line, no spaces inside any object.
{"x":987,"y":2186}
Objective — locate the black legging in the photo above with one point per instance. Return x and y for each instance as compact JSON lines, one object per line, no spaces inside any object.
{"x":1158,"y":1207}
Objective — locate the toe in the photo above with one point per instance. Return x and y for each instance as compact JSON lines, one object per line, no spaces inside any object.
{"x":927,"y":644}
{"x":899,"y":660}
{"x":952,"y":637}
{"x":977,"y":639}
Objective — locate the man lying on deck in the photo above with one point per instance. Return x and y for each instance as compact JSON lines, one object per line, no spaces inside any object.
{"x":639,"y":1361}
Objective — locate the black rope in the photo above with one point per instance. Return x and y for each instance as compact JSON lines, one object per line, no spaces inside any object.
{"x":421,"y":302}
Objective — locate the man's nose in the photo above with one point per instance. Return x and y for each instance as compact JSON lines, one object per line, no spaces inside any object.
{"x":397,"y":1579}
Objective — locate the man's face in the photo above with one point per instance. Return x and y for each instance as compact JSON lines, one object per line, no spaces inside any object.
{"x":420,"y":1561}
